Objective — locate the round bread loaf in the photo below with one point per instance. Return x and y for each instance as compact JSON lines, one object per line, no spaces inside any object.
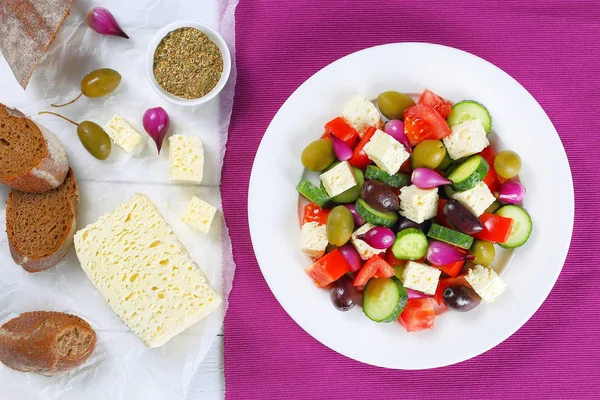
{"x":45,"y":342}
{"x":32,"y":159}
{"x":41,"y":226}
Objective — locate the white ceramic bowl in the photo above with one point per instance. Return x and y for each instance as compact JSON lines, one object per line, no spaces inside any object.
{"x":212,"y":35}
{"x":519,"y":123}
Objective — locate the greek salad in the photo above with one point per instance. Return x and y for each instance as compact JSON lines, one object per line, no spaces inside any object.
{"x":410,"y":208}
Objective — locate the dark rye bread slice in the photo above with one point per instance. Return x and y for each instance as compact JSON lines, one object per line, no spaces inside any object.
{"x":41,"y":226}
{"x":32,"y":159}
{"x":45,"y":342}
{"x":27,"y":27}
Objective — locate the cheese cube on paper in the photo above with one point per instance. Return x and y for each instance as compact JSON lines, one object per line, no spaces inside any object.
{"x":364,"y":250}
{"x":199,"y":214}
{"x":338,"y":179}
{"x":124,"y":135}
{"x":486,"y":283}
{"x":186,"y":156}
{"x":417,"y":204}
{"x":134,"y":259}
{"x":421,"y":277}
{"x":313,"y":239}
{"x":361,"y":113}
{"x":466,"y":139}
{"x":477,"y":199}
{"x":385,"y":151}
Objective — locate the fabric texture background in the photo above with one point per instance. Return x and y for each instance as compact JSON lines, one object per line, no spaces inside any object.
{"x":553,"y":49}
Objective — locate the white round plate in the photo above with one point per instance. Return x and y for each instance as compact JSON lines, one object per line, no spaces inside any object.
{"x":519,"y":123}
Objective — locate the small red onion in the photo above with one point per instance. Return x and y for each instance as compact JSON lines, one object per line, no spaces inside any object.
{"x":440,"y":253}
{"x":358,"y":221}
{"x":342,"y":151}
{"x":395,"y":128}
{"x":156,"y":123}
{"x":425,"y":178}
{"x":379,"y":237}
{"x":102,"y":21}
{"x":413,"y":294}
{"x":511,"y":192}
{"x":352,"y":256}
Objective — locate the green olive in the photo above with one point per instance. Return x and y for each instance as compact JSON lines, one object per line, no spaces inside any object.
{"x":100,"y":82}
{"x":392,"y":104}
{"x":483,"y":251}
{"x":493,"y":207}
{"x":507,"y":164}
{"x":352,"y":194}
{"x":318,"y":155}
{"x":94,"y":139}
{"x":340,"y":225}
{"x":428,"y":154}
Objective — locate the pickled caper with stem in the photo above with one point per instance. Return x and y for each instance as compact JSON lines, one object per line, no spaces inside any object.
{"x":340,"y":225}
{"x":91,"y":135}
{"x":98,"y":83}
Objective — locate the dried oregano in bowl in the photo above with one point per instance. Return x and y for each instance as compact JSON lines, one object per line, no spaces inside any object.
{"x":187,"y":63}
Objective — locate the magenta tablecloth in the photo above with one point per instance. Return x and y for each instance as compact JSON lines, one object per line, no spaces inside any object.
{"x":553,"y":49}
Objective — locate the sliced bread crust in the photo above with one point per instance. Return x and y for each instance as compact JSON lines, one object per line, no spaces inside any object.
{"x":40,"y":227}
{"x":32,"y":159}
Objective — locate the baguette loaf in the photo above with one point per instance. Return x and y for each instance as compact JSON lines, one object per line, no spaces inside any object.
{"x":46,"y":343}
{"x":40,"y":226}
{"x":32,"y":159}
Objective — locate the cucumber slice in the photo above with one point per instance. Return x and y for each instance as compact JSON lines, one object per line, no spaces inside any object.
{"x":396,"y":180}
{"x":384,"y":299}
{"x":375,"y":217}
{"x":410,"y":244}
{"x":448,"y":191}
{"x":469,"y":173}
{"x":313,"y":193}
{"x":522,"y":226}
{"x":450,"y":236}
{"x":468,"y":110}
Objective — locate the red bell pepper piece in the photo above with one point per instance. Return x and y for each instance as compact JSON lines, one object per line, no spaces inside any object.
{"x":374,"y":267}
{"x":440,"y":213}
{"x":359,"y":157}
{"x":392,"y":260}
{"x":495,"y":228}
{"x":451,"y":269}
{"x":446,"y":282}
{"x":418,"y":315}
{"x":314,"y":213}
{"x":405,"y":168}
{"x":328,"y":268}
{"x":491,"y":178}
{"x":342,"y":130}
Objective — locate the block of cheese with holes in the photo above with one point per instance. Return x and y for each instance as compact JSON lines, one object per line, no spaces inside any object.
{"x":138,"y":265}
{"x":186,"y":157}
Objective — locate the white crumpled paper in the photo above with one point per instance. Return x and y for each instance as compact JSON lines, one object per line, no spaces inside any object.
{"x":121,"y":367}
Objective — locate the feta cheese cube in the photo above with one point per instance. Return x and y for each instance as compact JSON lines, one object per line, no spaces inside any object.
{"x":466,"y":139}
{"x":417,"y":204}
{"x":338,"y":179}
{"x":199,"y":214}
{"x":313,"y":239}
{"x":421,"y":277}
{"x":124,"y":135}
{"x":361,"y":113}
{"x":186,"y":156}
{"x":386,"y":152}
{"x":486,"y":283}
{"x":477,"y":199}
{"x":364,"y":250}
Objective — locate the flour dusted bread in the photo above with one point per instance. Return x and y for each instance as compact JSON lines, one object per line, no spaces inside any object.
{"x":46,"y":343}
{"x":32,"y":159}
{"x":40,"y":226}
{"x":26,"y":30}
